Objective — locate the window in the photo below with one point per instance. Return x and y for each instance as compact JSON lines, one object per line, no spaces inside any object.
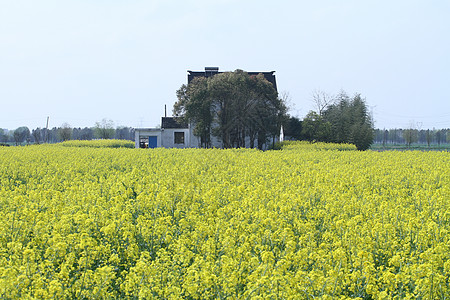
{"x":179,"y":138}
{"x":143,"y":142}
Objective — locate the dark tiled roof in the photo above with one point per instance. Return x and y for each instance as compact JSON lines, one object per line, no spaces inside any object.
{"x":269,"y":76}
{"x":172,"y":122}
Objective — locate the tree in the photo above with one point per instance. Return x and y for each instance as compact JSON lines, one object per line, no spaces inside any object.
{"x":350,"y":121}
{"x":362,"y":127}
{"x":293,"y":128}
{"x":232,"y":106}
{"x":65,"y":132}
{"x":124,"y":133}
{"x":194,"y":105}
{"x":439,"y":136}
{"x":339,"y":115}
{"x":410,"y":134}
{"x":37,"y":135}
{"x":104,"y":129}
{"x":2,"y":135}
{"x":321,"y":101}
{"x":385,"y":136}
{"x":85,"y":133}
{"x":315,"y":128}
{"x":52,"y":135}
{"x":21,"y":134}
{"x":341,"y":120}
{"x":429,"y":137}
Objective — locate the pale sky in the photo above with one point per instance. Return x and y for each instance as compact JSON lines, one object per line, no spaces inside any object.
{"x":80,"y":61}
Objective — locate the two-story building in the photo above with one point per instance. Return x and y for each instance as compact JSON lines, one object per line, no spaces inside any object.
{"x":174,"y":133}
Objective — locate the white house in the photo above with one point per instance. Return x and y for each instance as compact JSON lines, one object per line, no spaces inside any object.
{"x":172,"y":134}
{"x":176,"y":134}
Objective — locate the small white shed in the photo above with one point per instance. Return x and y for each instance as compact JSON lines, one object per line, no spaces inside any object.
{"x":172,"y":134}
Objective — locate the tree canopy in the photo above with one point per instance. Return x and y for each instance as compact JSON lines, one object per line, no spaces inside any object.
{"x":344,"y":120}
{"x":104,"y":129}
{"x":21,"y":134}
{"x":233,"y":107}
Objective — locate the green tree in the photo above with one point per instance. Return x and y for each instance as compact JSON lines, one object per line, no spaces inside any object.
{"x":65,"y":132}
{"x":231,"y":106}
{"x":410,"y":134}
{"x":293,"y":128}
{"x":104,"y":129}
{"x":429,"y":137}
{"x":194,"y":105}
{"x":21,"y":134}
{"x":315,"y":128}
{"x":340,"y":118}
{"x":440,"y":136}
{"x":361,"y":124}
{"x":2,"y":135}
{"x":350,"y":121}
{"x":37,"y":135}
{"x":270,"y":112}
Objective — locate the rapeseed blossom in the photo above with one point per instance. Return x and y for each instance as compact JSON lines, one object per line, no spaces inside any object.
{"x":101,"y":223}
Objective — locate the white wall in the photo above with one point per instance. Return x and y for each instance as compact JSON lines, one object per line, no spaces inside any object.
{"x":145,"y":133}
{"x":168,"y":137}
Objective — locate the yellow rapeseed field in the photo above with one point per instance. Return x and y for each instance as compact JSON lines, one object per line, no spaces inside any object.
{"x":309,"y":221}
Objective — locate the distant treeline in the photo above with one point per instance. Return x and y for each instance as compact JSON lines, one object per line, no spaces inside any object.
{"x":23,"y":135}
{"x":412,"y":136}
{"x":293,"y":130}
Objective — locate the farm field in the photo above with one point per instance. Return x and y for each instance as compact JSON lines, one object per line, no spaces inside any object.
{"x":308,"y":221}
{"x":403,"y":147}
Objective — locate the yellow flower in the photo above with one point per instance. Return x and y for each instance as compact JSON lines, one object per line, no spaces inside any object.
{"x":310,"y":221}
